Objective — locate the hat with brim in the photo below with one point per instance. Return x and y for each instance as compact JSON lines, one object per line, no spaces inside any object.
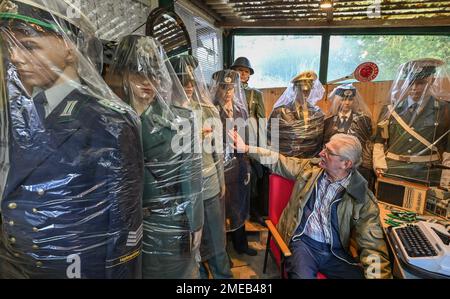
{"x":43,"y":17}
{"x":346,"y":91}
{"x":420,"y":68}
{"x":305,"y":76}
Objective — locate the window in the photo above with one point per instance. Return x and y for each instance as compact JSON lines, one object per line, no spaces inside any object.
{"x":387,"y":51}
{"x":206,"y":41}
{"x":276,"y":59}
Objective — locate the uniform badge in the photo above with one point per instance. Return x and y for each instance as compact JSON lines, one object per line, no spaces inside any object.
{"x":69,"y":108}
{"x":348,"y":93}
{"x":227,"y":80}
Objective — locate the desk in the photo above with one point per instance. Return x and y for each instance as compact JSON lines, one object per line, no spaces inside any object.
{"x":397,"y":269}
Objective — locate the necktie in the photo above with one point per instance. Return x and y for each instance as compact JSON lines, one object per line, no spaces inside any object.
{"x":413,"y":108}
{"x":342,"y":123}
{"x":408,"y":115}
{"x":39,"y":101}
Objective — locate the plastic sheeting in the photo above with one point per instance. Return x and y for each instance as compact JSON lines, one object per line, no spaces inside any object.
{"x":70,"y":153}
{"x":413,"y":127}
{"x":229,"y":99}
{"x":349,"y":114}
{"x":173,"y":208}
{"x":300,"y":127}
{"x":191,"y":77}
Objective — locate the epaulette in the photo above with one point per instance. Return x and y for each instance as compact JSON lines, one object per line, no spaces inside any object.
{"x":112,"y":105}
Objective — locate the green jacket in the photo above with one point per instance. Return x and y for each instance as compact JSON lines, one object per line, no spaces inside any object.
{"x":255,"y":102}
{"x":358,"y":212}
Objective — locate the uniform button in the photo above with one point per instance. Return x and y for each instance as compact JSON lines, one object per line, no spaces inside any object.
{"x":12,"y":205}
{"x":11,"y":223}
{"x":35,"y":247}
{"x":39,"y":264}
{"x":409,"y":151}
{"x":410,"y":140}
{"x":35,"y":229}
{"x":34,"y":210}
{"x":16,"y":255}
{"x":40,"y":192}
{"x":12,"y":240}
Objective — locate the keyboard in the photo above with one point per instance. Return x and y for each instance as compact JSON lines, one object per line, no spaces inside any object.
{"x":423,"y":247}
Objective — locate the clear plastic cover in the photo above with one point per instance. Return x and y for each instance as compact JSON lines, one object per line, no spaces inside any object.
{"x":191,"y":77}
{"x":71,"y":157}
{"x":413,"y":128}
{"x":142,"y":75}
{"x":349,"y":114}
{"x":300,"y":120}
{"x":229,"y":99}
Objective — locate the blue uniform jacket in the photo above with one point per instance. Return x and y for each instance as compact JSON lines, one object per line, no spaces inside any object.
{"x":72,"y":202}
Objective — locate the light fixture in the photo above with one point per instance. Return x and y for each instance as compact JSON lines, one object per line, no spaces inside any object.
{"x":326,"y":4}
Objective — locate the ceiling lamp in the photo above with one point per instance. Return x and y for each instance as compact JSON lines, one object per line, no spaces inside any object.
{"x":326,"y":4}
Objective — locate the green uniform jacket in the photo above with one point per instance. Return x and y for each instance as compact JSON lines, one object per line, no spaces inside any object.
{"x":431,"y":122}
{"x":255,"y":102}
{"x":358,"y":212}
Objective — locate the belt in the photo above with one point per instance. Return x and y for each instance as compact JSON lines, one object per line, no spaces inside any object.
{"x":414,"y":159}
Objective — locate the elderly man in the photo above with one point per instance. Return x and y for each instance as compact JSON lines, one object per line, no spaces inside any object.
{"x":330,"y":201}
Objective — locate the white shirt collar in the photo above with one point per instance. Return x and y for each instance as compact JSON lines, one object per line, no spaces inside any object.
{"x":57,"y":93}
{"x":411,"y":102}
{"x":347,"y":115}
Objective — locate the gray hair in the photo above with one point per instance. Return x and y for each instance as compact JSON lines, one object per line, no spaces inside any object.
{"x":350,"y":148}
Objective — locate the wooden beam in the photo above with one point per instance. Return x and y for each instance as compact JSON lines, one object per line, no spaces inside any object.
{"x":370,"y":23}
{"x":343,"y":7}
{"x":202,"y":6}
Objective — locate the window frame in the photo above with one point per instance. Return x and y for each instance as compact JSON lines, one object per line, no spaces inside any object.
{"x":326,"y":33}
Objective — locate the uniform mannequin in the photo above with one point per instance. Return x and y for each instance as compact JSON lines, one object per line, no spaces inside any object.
{"x":71,"y":207}
{"x":300,"y":121}
{"x":173,"y":208}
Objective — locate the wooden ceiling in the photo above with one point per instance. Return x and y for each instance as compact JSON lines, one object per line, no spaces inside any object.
{"x":309,"y":14}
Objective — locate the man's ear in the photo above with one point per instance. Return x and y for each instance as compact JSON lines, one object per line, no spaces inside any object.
{"x":71,"y":56}
{"x":348,"y":164}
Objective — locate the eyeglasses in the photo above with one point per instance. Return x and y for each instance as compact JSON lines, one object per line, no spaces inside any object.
{"x":328,"y":152}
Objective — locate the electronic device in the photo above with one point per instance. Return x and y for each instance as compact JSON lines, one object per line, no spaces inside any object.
{"x":438,"y":202}
{"x":423,"y":248}
{"x":410,"y":196}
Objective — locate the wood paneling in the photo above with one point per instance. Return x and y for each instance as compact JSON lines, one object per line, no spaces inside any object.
{"x":375,"y":94}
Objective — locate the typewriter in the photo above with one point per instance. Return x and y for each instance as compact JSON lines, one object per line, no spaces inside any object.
{"x":423,"y":248}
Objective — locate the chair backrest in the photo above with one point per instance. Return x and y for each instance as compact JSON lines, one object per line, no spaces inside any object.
{"x":280,"y":190}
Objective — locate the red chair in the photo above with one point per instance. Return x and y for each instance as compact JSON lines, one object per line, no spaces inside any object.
{"x":280,"y":190}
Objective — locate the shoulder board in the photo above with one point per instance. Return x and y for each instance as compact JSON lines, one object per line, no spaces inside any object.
{"x":113,"y":106}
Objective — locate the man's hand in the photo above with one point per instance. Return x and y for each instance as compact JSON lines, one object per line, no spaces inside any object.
{"x":380,"y":172}
{"x":238,"y":143}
